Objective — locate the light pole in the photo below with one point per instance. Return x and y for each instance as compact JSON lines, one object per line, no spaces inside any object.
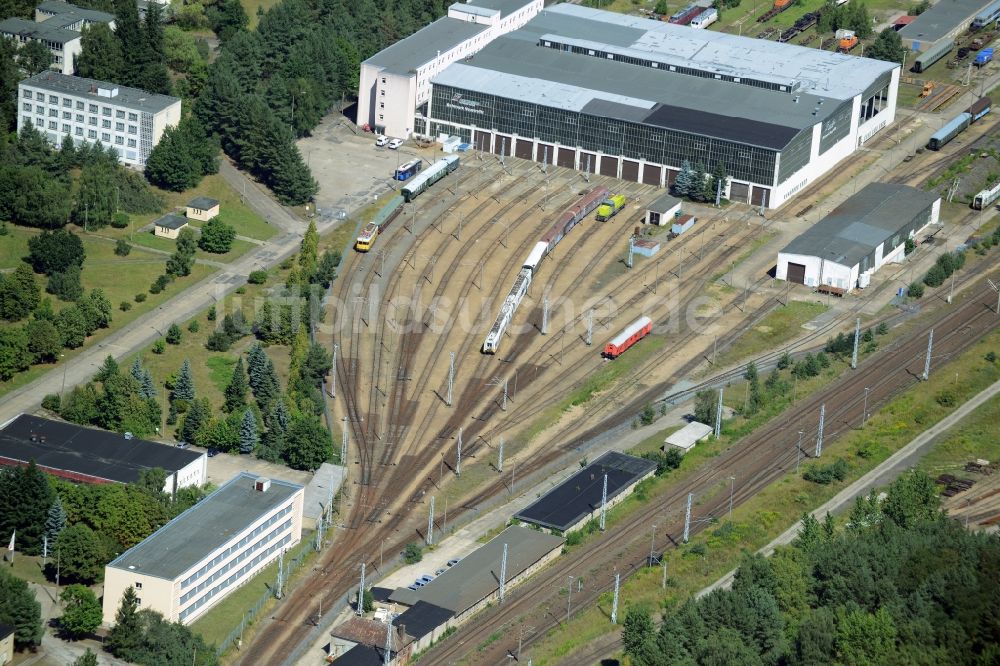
{"x":798,"y":452}
{"x":732,"y":491}
{"x":864,"y":412}
{"x":652,"y":544}
{"x":569,"y":595}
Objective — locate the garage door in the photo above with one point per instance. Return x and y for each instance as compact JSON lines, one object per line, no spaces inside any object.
{"x":630,"y":171}
{"x":739,"y":192}
{"x":651,"y":174}
{"x":671,"y":177}
{"x":796,"y":273}
{"x":588,"y":162}
{"x":502,"y":145}
{"x":567,"y":157}
{"x":523,"y":149}
{"x":482,"y":142}
{"x":609,"y":167}
{"x":545,"y":153}
{"x":760,"y":196}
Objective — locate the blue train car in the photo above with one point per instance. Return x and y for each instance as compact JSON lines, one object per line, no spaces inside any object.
{"x":952,"y":129}
{"x":980,"y":108}
{"x":408,"y":170}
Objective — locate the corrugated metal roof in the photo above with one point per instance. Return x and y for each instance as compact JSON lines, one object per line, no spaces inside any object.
{"x":664,"y":203}
{"x":941,"y":18}
{"x":857,"y":226}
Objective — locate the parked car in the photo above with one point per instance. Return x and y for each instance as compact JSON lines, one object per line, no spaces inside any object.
{"x":419,"y":583}
{"x":427,"y":578}
{"x":412,"y":587}
{"x":395,"y":143}
{"x":212,"y":452}
{"x":182,"y":445}
{"x":381,"y":140}
{"x":439,"y":572}
{"x":452,"y":563}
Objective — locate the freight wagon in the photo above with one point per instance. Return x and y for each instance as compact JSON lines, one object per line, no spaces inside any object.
{"x":952,"y":129}
{"x":389,"y":212}
{"x":433,"y":174}
{"x":634,"y":332}
{"x":931,"y":56}
{"x":572,"y":215}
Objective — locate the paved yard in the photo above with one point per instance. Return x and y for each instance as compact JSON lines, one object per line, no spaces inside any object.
{"x":225,"y":466}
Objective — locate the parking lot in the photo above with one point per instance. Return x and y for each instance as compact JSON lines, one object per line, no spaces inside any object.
{"x":350,"y":169}
{"x":225,"y":466}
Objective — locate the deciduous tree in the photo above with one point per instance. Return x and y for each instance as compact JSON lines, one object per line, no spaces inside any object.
{"x":19,"y":609}
{"x":81,"y":611}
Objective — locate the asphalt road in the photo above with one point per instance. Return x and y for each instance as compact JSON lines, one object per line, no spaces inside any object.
{"x":181,"y":307}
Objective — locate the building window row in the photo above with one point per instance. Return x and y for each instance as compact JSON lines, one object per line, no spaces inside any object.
{"x":235,"y":577}
{"x":235,"y":561}
{"x":237,"y":546}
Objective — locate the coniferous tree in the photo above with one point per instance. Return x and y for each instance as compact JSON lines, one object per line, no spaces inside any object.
{"x":184,"y":386}
{"x":109,"y":368}
{"x":248,"y":432}
{"x":182,"y":260}
{"x":126,"y":635}
{"x":101,"y":54}
{"x":136,"y":370}
{"x":685,"y":180}
{"x":55,"y":522}
{"x":236,"y":390}
{"x":309,"y":250}
{"x":196,"y":420}
{"x":147,"y":388}
{"x":19,"y":609}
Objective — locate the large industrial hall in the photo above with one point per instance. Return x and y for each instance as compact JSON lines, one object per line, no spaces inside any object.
{"x":635,"y":98}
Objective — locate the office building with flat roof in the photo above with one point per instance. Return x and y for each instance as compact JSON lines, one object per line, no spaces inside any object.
{"x":128,"y":119}
{"x":634,"y":98}
{"x":57,"y":25}
{"x":195,"y":560}
{"x":844,"y":249}
{"x":397,"y":80}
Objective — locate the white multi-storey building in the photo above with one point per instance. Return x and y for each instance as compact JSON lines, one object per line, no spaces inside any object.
{"x":195,"y":560}
{"x":129,"y":119}
{"x":395,"y":83}
{"x":57,"y":25}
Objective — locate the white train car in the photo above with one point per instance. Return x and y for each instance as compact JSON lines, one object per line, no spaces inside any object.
{"x":507,"y":310}
{"x":536,"y":256}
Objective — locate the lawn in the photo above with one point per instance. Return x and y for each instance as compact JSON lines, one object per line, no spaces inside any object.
{"x":976,"y":437}
{"x":220,"y":371}
{"x":251,"y":7}
{"x":772,"y":332}
{"x":29,"y":568}
{"x":777,"y":507}
{"x":152,"y":241}
{"x":14,"y":245}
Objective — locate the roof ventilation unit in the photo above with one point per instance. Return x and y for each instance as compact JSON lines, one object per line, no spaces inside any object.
{"x":261,"y":485}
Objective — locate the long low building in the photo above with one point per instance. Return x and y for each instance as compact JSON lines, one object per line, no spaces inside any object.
{"x":195,"y":560}
{"x":577,"y":500}
{"x":867,"y":231}
{"x":89,"y":455}
{"x":635,"y":99}
{"x":943,"y":21}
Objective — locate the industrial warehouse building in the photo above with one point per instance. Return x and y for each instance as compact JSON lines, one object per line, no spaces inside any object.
{"x":941,"y":22}
{"x":128,"y":119}
{"x":869,"y":230}
{"x":635,"y":98}
{"x":397,"y":80}
{"x":195,"y":560}
{"x":474,"y":582}
{"x":577,"y":500}
{"x":88,"y":455}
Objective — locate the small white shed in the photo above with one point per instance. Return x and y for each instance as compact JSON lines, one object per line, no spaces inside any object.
{"x":685,"y":438}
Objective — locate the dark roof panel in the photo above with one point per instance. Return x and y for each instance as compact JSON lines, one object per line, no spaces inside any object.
{"x":422,"y":618}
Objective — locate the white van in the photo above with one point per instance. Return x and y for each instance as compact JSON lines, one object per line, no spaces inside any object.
{"x":381,"y":140}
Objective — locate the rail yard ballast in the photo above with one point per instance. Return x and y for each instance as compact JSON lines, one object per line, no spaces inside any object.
{"x":433,"y":174}
{"x":635,"y":331}
{"x":567,"y":220}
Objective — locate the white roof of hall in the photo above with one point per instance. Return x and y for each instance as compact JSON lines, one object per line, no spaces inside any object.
{"x":823,"y":73}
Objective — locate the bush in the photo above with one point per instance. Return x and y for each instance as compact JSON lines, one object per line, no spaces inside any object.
{"x":122,"y":248}
{"x":665,"y":461}
{"x":827,"y":474}
{"x":124,"y":306}
{"x":159,"y":346}
{"x":218,"y":341}
{"x":916,"y":290}
{"x":946,"y":398}
{"x":882,"y":329}
{"x":140,"y":297}
{"x":909,"y":246}
{"x":991,"y":357}
{"x":119,"y":220}
{"x":194,"y":326}
{"x":241,"y":290}
{"x":211,"y":313}
{"x":257,"y":277}
{"x":155,"y":288}
{"x":51,"y":402}
{"x":413,"y":553}
{"x":648,"y":415}
{"x":174,"y":334}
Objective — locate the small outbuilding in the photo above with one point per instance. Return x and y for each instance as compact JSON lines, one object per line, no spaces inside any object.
{"x":663,"y":211}
{"x":685,"y":438}
{"x":865,"y":232}
{"x":202,"y":208}
{"x":6,"y":644}
{"x":169,"y":226}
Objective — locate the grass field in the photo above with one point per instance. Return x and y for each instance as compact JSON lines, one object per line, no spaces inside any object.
{"x":251,"y":7}
{"x":717,"y":549}
{"x":776,"y":328}
{"x":13,"y":246}
{"x":976,"y":437}
{"x":150,"y":240}
{"x":27,"y":567}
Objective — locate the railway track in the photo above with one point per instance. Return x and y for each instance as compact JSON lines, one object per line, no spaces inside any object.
{"x":756,"y":460}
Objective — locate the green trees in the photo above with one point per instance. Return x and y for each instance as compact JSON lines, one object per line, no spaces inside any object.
{"x":66,"y":285}
{"x":81,"y":556}
{"x":9,"y":77}
{"x":182,"y":260}
{"x":19,"y":294}
{"x":704,"y":407}
{"x":82,"y":612}
{"x":88,"y":658}
{"x":216,"y":236}
{"x":174,"y":335}
{"x":55,"y":251}
{"x":183,"y":156}
{"x":889,"y":47}
{"x":412,"y":553}
{"x":34,"y":57}
{"x":25,"y":498}
{"x":101,"y":54}
{"x":236,"y":391}
{"x":184,"y":385}
{"x":754,"y":399}
{"x":15,"y":354}
{"x":19,"y":609}
{"x":308,"y":443}
{"x":853,"y":16}
{"x":227,"y":17}
{"x":44,"y":340}
{"x":248,"y":432}
{"x":149,"y":640}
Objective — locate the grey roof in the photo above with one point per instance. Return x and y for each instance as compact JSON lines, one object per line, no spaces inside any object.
{"x":44,"y":30}
{"x":66,"y":13}
{"x":321,"y":488}
{"x":857,"y":226}
{"x":516,"y":66}
{"x":62,"y":447}
{"x":190,"y":537}
{"x":424,"y":45}
{"x":477,"y":575}
{"x":203,"y":203}
{"x":941,"y":18}
{"x":663,"y":204}
{"x":132,"y":98}
{"x":506,"y":7}
{"x":171,"y":221}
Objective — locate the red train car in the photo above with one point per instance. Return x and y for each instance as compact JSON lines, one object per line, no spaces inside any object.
{"x":574,"y":214}
{"x":634,"y":332}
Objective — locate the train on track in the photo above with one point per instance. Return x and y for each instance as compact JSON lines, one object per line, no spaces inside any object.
{"x":959,"y":123}
{"x":433,"y":174}
{"x":572,"y":216}
{"x":634,"y":332}
{"x":389,"y":212}
{"x":408,"y":170}
{"x":987,"y":17}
